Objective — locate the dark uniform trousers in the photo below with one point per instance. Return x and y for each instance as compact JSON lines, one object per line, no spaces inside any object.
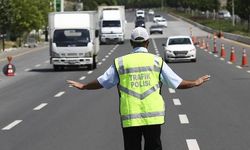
{"x":133,"y":137}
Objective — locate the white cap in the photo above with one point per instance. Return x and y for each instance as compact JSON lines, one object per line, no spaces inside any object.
{"x":139,"y":34}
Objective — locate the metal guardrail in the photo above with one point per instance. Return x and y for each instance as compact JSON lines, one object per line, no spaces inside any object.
{"x":235,"y":37}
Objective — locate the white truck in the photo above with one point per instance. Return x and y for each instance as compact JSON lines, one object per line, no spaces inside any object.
{"x":112,"y":24}
{"x":73,"y":39}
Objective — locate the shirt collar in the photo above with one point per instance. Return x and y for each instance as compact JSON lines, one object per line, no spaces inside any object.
{"x":139,"y":49}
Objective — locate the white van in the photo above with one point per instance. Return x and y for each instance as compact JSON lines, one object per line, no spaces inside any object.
{"x":224,"y":14}
{"x":140,"y":13}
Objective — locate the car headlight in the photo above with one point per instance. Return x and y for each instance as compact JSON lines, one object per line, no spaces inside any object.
{"x":54,"y":54}
{"x":168,"y":51}
{"x":88,"y":54}
{"x":193,"y":50}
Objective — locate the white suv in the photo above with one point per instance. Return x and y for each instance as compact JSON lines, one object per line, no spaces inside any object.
{"x":179,"y":48}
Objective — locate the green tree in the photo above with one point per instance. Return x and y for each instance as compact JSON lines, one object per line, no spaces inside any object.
{"x":5,"y":15}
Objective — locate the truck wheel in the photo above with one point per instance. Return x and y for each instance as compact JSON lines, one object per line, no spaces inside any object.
{"x":57,"y":67}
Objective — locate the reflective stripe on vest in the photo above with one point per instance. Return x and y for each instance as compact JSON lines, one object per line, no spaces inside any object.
{"x":138,"y":69}
{"x":137,"y":95}
{"x":143,"y":115}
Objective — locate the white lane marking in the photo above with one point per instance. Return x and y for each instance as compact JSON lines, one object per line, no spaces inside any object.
{"x":59,"y":94}
{"x":110,"y":53}
{"x":11,"y":125}
{"x":82,"y":78}
{"x":38,"y":65}
{"x":248,"y":71}
{"x":222,"y":58}
{"x":90,"y":72}
{"x":27,"y":70}
{"x":103,"y":59}
{"x":216,"y":55}
{"x":107,"y":56}
{"x":192,"y":144}
{"x":99,"y":63}
{"x":183,"y":119}
{"x":210,"y":53}
{"x":177,"y":101}
{"x":229,"y":62}
{"x":171,"y":90}
{"x":39,"y":107}
{"x":239,"y":67}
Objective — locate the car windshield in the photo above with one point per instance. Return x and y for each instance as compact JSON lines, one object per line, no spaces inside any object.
{"x":111,"y":23}
{"x":179,"y":41}
{"x":71,"y":37}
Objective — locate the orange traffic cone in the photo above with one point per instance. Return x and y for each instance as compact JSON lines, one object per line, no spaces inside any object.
{"x":215,"y":46}
{"x":222,"y":52}
{"x":199,"y":43}
{"x":232,"y":55}
{"x":10,"y":69}
{"x":207,"y":46}
{"x":203,"y":44}
{"x":244,"y":58}
{"x":194,"y":39}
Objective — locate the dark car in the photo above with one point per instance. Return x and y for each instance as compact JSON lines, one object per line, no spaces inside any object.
{"x":156,"y":29}
{"x":140,"y":23}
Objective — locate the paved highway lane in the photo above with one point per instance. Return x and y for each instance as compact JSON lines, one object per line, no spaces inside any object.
{"x":39,"y":111}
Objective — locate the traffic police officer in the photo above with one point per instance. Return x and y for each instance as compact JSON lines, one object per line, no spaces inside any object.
{"x":139,"y":76}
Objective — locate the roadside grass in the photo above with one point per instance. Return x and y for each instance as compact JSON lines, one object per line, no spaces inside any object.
{"x":217,"y":24}
{"x":7,"y":44}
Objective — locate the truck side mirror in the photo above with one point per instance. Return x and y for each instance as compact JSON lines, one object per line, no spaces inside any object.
{"x":96,"y":33}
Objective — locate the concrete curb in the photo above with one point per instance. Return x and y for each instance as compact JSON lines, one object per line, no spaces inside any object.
{"x":235,"y":37}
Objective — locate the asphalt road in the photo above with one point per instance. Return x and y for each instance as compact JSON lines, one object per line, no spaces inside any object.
{"x":38,"y":111}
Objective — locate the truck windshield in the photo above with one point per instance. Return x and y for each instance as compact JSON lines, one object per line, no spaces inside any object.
{"x":111,"y":23}
{"x":71,"y":37}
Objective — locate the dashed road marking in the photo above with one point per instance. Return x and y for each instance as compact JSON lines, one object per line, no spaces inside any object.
{"x":39,"y":107}
{"x":38,"y":65}
{"x":27,"y":70}
{"x":90,"y":72}
{"x":239,"y":67}
{"x":177,"y":101}
{"x":248,"y":71}
{"x":82,"y":78}
{"x":222,"y":58}
{"x":59,"y":94}
{"x":183,"y":119}
{"x":192,"y":144}
{"x":12,"y":125}
{"x":171,"y":90}
{"x":103,"y":59}
{"x":229,"y":62}
{"x":99,"y":63}
{"x":107,"y":56}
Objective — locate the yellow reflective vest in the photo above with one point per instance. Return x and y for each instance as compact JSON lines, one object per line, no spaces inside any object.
{"x":139,"y":89}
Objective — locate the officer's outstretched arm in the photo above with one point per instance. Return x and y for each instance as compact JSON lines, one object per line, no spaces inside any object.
{"x":93,"y":85}
{"x":185,"y":84}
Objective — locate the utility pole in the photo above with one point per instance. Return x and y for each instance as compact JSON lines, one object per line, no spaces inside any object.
{"x":233,"y":20}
